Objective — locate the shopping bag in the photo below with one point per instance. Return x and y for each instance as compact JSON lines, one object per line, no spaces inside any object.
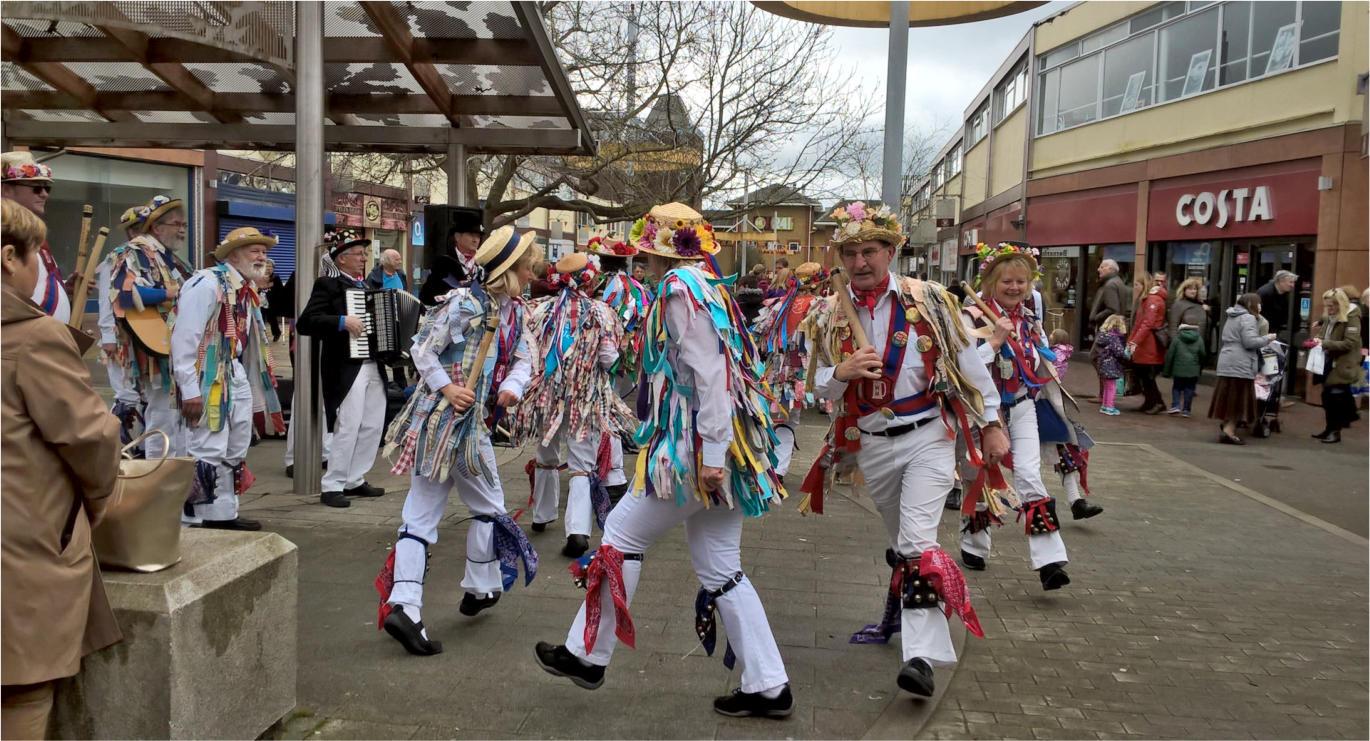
{"x":1315,"y":361}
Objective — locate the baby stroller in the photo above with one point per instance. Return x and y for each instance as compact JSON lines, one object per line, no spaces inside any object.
{"x":1269,"y":382}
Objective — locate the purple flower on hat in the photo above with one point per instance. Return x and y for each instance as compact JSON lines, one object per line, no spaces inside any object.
{"x":686,"y":242}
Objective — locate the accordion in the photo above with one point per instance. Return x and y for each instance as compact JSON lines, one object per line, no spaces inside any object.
{"x":390,"y":319}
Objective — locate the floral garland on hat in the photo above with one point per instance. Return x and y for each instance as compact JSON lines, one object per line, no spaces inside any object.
{"x":989,"y":255}
{"x":679,"y":236}
{"x":157,"y":202}
{"x":582,"y":279}
{"x":611,"y":246}
{"x":28,"y":171}
{"x":857,"y":222}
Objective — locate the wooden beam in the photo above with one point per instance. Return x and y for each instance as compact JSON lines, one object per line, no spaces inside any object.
{"x":395,"y":30}
{"x":277,"y":137}
{"x":174,"y":74}
{"x":60,"y":78}
{"x":246,"y":104}
{"x":362,"y":49}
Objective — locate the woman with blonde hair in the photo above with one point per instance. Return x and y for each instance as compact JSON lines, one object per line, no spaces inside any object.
{"x":1338,"y":334}
{"x":61,"y":457}
{"x":1188,"y":308}
{"x":1147,"y":343}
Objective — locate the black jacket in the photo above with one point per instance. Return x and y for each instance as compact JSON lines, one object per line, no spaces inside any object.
{"x":1274,"y":306}
{"x":446,"y":275}
{"x":376,"y":280}
{"x":320,"y":320}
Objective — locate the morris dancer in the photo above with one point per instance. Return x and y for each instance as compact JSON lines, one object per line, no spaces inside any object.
{"x":571,"y":400}
{"x":702,"y":376}
{"x":28,"y":182}
{"x":128,"y":403}
{"x":222,"y":359}
{"x":353,"y":390}
{"x":898,"y":414}
{"x":443,"y":439}
{"x":1020,"y":364}
{"x":147,"y":274}
{"x":630,"y":300}
{"x":780,"y":330}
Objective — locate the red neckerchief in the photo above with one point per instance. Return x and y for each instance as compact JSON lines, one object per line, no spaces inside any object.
{"x":870,"y":298}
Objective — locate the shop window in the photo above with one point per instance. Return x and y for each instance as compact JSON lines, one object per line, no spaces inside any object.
{"x":1049,"y":90}
{"x":1128,"y":76}
{"x":1267,"y":20}
{"x":1078,"y":100}
{"x":1236,"y":42}
{"x":1104,"y":38}
{"x":1319,"y":31}
{"x":1188,"y":60}
{"x":1059,"y":56}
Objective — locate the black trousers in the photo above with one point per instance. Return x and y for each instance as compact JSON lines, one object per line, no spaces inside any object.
{"x":1151,"y":393}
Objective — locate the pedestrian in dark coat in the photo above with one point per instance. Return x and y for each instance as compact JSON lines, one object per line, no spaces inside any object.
{"x":1338,"y":334}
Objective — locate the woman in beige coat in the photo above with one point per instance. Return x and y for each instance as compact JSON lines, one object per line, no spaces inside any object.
{"x":61,"y":456}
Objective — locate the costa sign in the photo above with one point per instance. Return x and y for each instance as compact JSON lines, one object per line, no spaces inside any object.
{"x":1224,"y":207}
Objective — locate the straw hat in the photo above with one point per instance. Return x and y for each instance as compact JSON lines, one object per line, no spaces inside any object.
{"x":21,"y":167}
{"x":155,"y":209}
{"x":242,"y":237}
{"x":130,"y":218}
{"x":809,"y":273}
{"x":610,"y":245}
{"x":676,"y":231}
{"x":991,"y":256}
{"x":857,"y":223}
{"x":502,"y":249}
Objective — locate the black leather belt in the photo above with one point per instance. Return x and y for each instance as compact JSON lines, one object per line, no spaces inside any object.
{"x":1015,"y":402}
{"x":901,"y":429}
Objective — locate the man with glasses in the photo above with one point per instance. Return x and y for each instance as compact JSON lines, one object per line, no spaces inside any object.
{"x":29,"y":183}
{"x":145,"y":280}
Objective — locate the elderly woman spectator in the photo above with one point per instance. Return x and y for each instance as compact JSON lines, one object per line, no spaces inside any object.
{"x":1338,"y":334}
{"x":61,"y":457}
{"x":1145,"y":347}
{"x":1234,"y":398}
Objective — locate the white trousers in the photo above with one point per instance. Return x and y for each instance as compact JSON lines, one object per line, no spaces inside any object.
{"x":1071,"y":481}
{"x":785,"y":451}
{"x":1027,"y":480}
{"x":225,"y":449}
{"x":616,"y":476}
{"x":580,"y":461}
{"x":290,"y":443}
{"x":714,"y":537}
{"x":423,"y":510}
{"x":162,"y":414}
{"x":119,"y":382}
{"x":908,"y":478}
{"x":357,"y":431}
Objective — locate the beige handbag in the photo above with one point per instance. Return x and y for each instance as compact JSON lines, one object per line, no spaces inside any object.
{"x":141,"y":530}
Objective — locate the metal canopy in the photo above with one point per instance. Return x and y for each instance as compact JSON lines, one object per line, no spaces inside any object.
{"x":398,"y":76}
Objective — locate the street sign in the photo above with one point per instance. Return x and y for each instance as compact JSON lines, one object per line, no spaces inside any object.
{"x":559,"y":248}
{"x":944,"y":223}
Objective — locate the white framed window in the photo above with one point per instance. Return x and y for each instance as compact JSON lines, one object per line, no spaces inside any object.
{"x":1011,"y":93}
{"x":978,"y":126}
{"x":937,"y":176}
{"x":954,"y":162}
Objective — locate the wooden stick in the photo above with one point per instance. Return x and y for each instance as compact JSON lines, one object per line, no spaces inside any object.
{"x":983,"y":307}
{"x":82,"y":245}
{"x":87,"y":276}
{"x":491,"y":326}
{"x":839,"y":287}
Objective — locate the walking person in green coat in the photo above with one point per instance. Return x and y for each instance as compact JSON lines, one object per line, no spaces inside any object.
{"x":1184,"y":361}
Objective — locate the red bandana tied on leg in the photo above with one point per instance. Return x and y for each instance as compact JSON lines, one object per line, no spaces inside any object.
{"x":937,"y":567}
{"x":605,"y":566}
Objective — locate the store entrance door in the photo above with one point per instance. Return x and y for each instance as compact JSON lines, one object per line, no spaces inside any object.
{"x":1255,"y":263}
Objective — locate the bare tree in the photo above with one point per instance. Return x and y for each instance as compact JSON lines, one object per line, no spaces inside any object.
{"x":685,"y":99}
{"x":867,"y":160}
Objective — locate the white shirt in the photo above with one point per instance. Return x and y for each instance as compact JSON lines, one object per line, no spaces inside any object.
{"x":195,"y":305}
{"x":102,"y":293}
{"x":434,"y":373}
{"x":913,"y":377}
{"x":63,"y":311}
{"x":698,"y":364}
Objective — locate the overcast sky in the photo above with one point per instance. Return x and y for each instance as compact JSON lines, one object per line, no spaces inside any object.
{"x":947,"y":65}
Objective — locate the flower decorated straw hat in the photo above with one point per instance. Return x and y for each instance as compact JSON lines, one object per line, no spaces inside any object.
{"x":242,"y":237}
{"x":609,"y":245}
{"x":130,"y":218}
{"x":857,"y":223}
{"x":502,"y":249}
{"x":676,"y":231}
{"x":22,"y":167}
{"x":991,"y":255}
{"x":809,"y":274}
{"x":155,"y":209}
{"x":576,"y":269}
{"x":339,"y":241}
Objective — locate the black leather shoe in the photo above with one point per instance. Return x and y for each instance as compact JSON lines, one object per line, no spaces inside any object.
{"x":1321,"y":435}
{"x":290,"y":471}
{"x":539,"y":527}
{"x":410,"y":633}
{"x":1053,"y":576}
{"x":241,"y":523}
{"x":972,"y":561}
{"x":1332,"y":437}
{"x":559,"y":662}
{"x":1083,"y":509}
{"x":916,"y":677}
{"x":954,"y":499}
{"x":891,"y":558}
{"x":741,"y":704}
{"x":334,"y":499}
{"x":576,"y":546}
{"x":364,"y":490}
{"x":471,"y":605}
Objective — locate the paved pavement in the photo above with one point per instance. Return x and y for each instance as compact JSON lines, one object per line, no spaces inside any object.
{"x":1196,"y":610}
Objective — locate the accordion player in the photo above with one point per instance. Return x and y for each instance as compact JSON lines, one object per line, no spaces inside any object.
{"x":390,"y":319}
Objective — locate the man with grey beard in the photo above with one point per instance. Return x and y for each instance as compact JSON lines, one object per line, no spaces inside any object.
{"x":221,"y":358}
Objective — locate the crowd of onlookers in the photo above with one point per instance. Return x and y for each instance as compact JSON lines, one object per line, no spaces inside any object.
{"x":1170,"y":339}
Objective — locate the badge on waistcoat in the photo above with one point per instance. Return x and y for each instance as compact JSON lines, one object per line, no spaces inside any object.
{"x":924,"y":343}
{"x":900,"y":339}
{"x":911,"y":314}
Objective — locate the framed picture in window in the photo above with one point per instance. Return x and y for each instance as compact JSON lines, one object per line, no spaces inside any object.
{"x":1282,"y":53}
{"x":1198,"y":70}
{"x":1133,"y":92}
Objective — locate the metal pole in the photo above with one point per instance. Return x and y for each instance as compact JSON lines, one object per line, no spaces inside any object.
{"x":892,"y":169}
{"x":746,"y":220}
{"x":309,"y":153}
{"x":456,"y":175}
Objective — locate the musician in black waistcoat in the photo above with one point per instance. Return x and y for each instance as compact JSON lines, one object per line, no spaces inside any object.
{"x":456,"y":267}
{"x":353,"y":389}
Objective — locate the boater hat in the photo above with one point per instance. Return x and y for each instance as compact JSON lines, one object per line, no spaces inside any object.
{"x":130,"y":218}
{"x":576,"y":269}
{"x":857,"y":223}
{"x":339,"y":241}
{"x":21,"y":167}
{"x":501,"y":250}
{"x":242,"y":237}
{"x":609,"y":245}
{"x":676,"y":231}
{"x":155,"y":209}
